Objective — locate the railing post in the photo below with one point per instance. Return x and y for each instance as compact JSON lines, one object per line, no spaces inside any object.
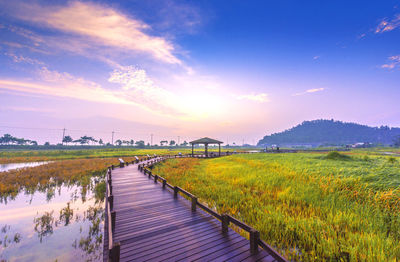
{"x":224,"y":223}
{"x":113,"y":218}
{"x":112,"y":167}
{"x":155,"y":178}
{"x":149,"y":172}
{"x":115,"y":252}
{"x":111,"y":200}
{"x":176,"y":190}
{"x":110,"y":189}
{"x":254,"y":238}
{"x":194,"y":203}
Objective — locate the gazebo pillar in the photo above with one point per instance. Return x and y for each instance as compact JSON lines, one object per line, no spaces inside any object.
{"x":206,"y":149}
{"x":219,"y":149}
{"x":192,"y":150}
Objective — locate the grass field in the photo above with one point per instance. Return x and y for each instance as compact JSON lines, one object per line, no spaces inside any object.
{"x":18,"y":156}
{"x":310,"y":206}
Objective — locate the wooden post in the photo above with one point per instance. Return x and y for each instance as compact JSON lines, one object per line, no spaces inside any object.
{"x":115,"y":252}
{"x":194,"y":203}
{"x":111,"y":200}
{"x":112,"y":167}
{"x":225,"y":223}
{"x":254,"y":238}
{"x":113,"y":218}
{"x":155,"y":178}
{"x":164,"y":183}
{"x":110,"y":189}
{"x":176,"y":190}
{"x":149,"y":172}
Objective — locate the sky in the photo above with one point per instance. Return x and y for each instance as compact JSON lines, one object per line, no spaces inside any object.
{"x":230,"y":70}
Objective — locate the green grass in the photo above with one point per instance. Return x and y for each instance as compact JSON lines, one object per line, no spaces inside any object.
{"x":309,"y":206}
{"x":14,"y":156}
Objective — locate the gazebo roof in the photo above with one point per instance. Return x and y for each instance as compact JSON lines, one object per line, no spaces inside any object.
{"x":206,"y":140}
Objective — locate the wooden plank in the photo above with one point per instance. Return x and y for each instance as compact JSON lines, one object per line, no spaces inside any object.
{"x":209,"y":251}
{"x":249,"y":257}
{"x":151,"y":232}
{"x":175,"y":245}
{"x":187,"y":251}
{"x":170,"y":237}
{"x":238,"y":247}
{"x":180,"y":252}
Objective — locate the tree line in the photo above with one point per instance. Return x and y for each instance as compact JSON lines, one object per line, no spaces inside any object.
{"x":8,"y":139}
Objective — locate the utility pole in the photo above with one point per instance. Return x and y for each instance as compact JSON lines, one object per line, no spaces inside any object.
{"x":151,"y":140}
{"x":112,"y":137}
{"x":62,"y":141}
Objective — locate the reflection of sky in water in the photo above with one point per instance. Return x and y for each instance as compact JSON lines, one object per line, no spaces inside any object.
{"x":6,"y":167}
{"x":17,"y":217}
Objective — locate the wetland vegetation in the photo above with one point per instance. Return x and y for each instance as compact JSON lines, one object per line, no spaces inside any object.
{"x":311,"y":206}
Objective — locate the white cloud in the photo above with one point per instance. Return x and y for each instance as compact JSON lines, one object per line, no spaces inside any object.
{"x":20,"y":59}
{"x":89,"y":25}
{"x":141,"y":89}
{"x":313,"y":90}
{"x":394,"y":62}
{"x":387,"y":25}
{"x":54,"y":83}
{"x":262,"y":97}
{"x":316,"y":57}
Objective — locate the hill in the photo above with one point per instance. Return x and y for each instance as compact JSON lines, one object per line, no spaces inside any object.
{"x":330,"y":132}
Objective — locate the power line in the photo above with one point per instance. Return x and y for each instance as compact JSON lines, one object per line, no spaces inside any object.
{"x":62,"y":141}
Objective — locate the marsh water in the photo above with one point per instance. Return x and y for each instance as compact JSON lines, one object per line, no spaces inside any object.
{"x":60,"y":223}
{"x":11,"y":166}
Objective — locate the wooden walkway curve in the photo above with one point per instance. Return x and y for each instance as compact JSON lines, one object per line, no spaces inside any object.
{"x":152,"y":225}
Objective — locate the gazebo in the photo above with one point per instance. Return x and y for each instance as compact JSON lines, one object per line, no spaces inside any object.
{"x":206,"y":141}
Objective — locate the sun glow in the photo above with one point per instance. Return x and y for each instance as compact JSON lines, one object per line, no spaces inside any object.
{"x":200,"y":105}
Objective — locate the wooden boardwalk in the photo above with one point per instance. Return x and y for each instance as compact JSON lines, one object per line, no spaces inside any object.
{"x":152,"y":225}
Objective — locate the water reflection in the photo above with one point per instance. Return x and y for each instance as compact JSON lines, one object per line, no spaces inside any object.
{"x":60,"y":222}
{"x":11,"y":166}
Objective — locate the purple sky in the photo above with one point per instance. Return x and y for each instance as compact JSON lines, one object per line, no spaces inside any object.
{"x":195,"y":68}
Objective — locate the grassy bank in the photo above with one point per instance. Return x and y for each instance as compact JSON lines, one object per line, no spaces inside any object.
{"x":56,"y":173}
{"x":310,"y":206}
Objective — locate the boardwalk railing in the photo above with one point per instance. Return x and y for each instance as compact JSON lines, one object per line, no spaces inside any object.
{"x":254,"y":235}
{"x":114,"y":247}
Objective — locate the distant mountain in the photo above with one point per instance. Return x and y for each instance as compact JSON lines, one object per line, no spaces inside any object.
{"x":330,"y":132}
